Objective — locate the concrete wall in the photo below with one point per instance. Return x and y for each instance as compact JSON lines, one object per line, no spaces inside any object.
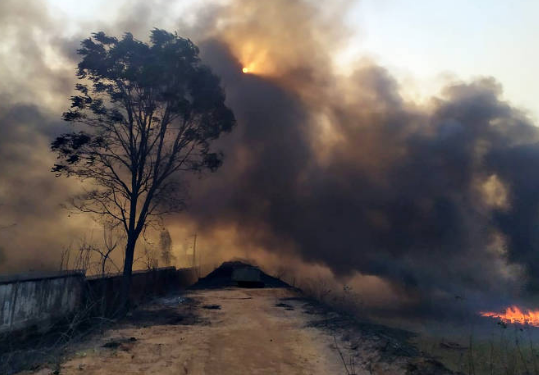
{"x":38,"y":300}
{"x":26,"y":301}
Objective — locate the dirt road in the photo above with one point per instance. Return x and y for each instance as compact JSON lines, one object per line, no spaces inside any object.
{"x":241,"y":331}
{"x":221,"y":331}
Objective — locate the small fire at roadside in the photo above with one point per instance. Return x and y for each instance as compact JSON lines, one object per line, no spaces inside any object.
{"x":515,"y":315}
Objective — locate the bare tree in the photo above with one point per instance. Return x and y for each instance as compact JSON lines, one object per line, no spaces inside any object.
{"x":150,"y":258}
{"x":85,"y":257}
{"x":147,"y":112}
{"x":110,"y":243}
{"x":165,"y":245}
{"x":65,"y":258}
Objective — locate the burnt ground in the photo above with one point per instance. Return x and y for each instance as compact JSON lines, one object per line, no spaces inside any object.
{"x":241,"y":331}
{"x":368,"y":345}
{"x":32,"y":349}
{"x":218,"y":328}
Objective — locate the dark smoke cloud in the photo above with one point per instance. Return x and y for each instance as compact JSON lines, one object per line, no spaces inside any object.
{"x":518,"y":165}
{"x":37,"y":66}
{"x":432,"y":198}
{"x":401,"y":195}
{"x":437,"y":200}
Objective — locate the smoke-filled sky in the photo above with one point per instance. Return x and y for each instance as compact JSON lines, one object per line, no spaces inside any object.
{"x":333,"y":163}
{"x":425,"y":43}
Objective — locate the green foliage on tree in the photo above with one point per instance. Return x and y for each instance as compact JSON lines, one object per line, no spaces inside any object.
{"x":145,"y":112}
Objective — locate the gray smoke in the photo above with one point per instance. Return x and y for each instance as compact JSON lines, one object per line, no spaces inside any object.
{"x":440,"y":200}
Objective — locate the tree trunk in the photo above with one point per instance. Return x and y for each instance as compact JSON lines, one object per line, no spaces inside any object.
{"x":127,"y":274}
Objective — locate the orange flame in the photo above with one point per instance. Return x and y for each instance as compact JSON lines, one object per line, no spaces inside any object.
{"x":516,"y":316}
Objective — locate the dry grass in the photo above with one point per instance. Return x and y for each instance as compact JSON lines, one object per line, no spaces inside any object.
{"x":29,"y":349}
{"x":499,"y":349}
{"x":509,"y":350}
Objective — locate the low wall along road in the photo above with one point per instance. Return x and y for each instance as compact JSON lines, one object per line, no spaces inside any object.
{"x":37,"y":301}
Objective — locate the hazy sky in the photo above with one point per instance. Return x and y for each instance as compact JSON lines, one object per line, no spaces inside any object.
{"x":424,"y":38}
{"x":425,"y":42}
{"x":403,"y":184}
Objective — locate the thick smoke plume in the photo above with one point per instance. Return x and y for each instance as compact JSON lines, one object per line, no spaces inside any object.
{"x":439,"y":199}
{"x":328,"y":168}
